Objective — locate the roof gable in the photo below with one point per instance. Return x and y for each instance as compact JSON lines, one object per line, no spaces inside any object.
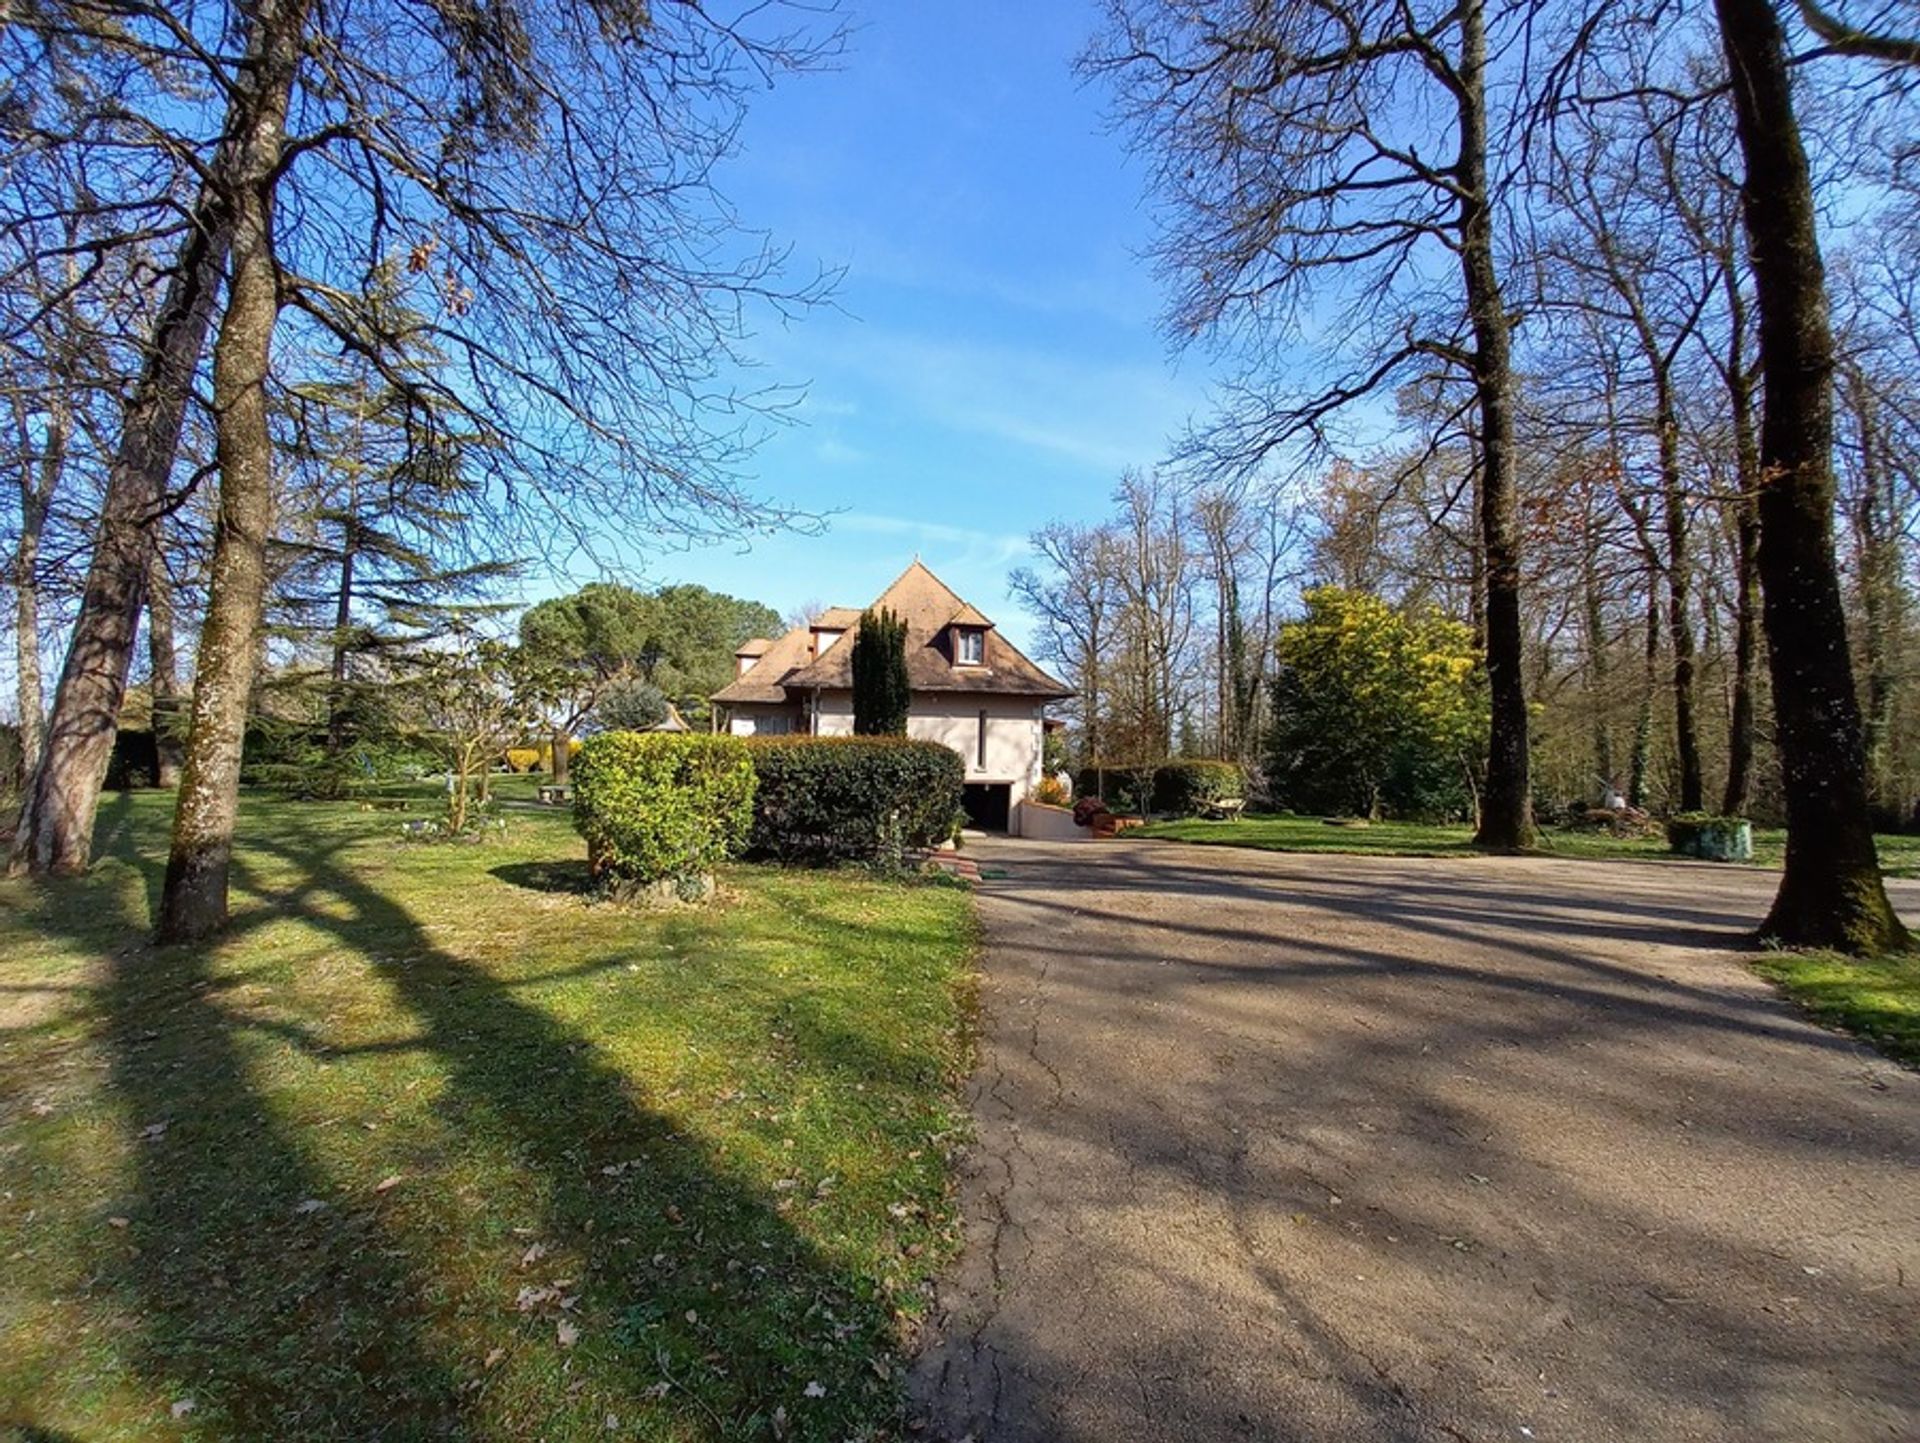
{"x":929,"y":607}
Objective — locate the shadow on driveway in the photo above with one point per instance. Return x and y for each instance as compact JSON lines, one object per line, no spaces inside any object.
{"x":1315,"y":1147}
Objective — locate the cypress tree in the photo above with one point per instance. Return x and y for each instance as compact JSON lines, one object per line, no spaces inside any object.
{"x":880,"y":689}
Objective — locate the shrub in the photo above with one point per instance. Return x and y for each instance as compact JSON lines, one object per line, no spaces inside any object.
{"x":1183,"y":788}
{"x":1052,"y":792}
{"x":660,"y":807}
{"x":1087,"y":809}
{"x":522,"y":759}
{"x":857,"y":799}
{"x":1177,"y":788}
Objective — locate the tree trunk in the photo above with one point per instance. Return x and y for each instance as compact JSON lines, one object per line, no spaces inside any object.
{"x":1879,"y":587}
{"x":562,"y":756}
{"x":1596,"y":636}
{"x":56,"y":825}
{"x":1831,"y":894}
{"x":342,"y":619}
{"x":1746,"y":522}
{"x":1641,"y":761}
{"x":169,"y":750}
{"x":193,"y":902}
{"x":1506,"y":820}
{"x":1686,"y":727}
{"x":37,"y":486}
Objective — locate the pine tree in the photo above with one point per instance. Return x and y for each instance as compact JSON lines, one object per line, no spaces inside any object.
{"x":370,"y":576}
{"x":881,"y":694}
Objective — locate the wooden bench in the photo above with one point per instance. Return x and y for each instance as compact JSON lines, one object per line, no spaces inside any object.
{"x":555,"y":795}
{"x":1225,"y":809}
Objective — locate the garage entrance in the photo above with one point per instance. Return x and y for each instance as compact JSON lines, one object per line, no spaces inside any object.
{"x":988,"y":805}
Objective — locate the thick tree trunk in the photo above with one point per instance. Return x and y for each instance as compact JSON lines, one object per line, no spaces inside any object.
{"x":562,"y":756}
{"x":168,"y":743}
{"x":56,"y":825}
{"x":1831,"y":894}
{"x":193,"y":902}
{"x":1506,"y":816}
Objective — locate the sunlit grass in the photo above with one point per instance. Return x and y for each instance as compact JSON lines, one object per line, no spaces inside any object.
{"x":430,"y":1145}
{"x":1877,"y":1000}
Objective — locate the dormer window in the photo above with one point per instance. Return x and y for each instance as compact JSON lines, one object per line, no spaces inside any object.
{"x":823,"y":640}
{"x":969,"y":646}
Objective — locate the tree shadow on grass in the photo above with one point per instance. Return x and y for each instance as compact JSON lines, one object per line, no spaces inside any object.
{"x":289,"y":1302}
{"x":695,"y":1299}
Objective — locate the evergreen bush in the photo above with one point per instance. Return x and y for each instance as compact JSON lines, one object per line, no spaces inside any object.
{"x":661,"y":808}
{"x":852,"y":799}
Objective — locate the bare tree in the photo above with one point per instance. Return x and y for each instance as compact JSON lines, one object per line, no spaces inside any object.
{"x":1336,"y":159}
{"x":1075,"y":601}
{"x":1831,"y":894}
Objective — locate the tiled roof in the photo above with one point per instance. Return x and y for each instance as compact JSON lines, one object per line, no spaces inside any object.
{"x":928,"y":607}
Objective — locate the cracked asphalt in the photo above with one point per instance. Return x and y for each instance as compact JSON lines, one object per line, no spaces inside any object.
{"x":1315,"y":1148}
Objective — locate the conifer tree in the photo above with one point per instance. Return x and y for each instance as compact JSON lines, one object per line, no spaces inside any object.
{"x":881,"y":694}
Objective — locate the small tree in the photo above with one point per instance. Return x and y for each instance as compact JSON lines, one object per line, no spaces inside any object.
{"x":1375,"y":707}
{"x":881,"y":694}
{"x":466,"y":702}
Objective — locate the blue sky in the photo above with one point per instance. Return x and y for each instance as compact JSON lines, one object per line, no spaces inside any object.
{"x":993,"y":360}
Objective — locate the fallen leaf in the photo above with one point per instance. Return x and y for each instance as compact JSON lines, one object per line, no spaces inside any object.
{"x":495,"y":1358}
{"x":153,"y":1131}
{"x":388,"y":1183}
{"x":182,"y":1407}
{"x":568,"y":1332}
{"x":533,"y":1255}
{"x":814,"y":1390}
{"x":118,"y":1222}
{"x":311,"y":1205}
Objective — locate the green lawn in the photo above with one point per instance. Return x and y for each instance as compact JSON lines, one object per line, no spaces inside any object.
{"x":1284,"y":832}
{"x":429,"y":1146}
{"x":1877,"y":1000}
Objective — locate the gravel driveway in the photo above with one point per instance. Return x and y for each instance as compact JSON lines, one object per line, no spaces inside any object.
{"x":1316,"y":1148}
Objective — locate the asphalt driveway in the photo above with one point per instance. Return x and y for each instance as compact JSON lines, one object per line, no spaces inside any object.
{"x":1316,"y":1148}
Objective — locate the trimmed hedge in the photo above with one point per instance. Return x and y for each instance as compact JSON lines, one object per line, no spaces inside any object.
{"x":1180,"y":788}
{"x":657,"y":807}
{"x":852,"y":799}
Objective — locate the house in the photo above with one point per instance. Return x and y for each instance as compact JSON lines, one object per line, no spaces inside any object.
{"x":971,"y":690}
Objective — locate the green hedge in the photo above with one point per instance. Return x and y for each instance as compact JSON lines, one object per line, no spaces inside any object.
{"x":1179,"y":788}
{"x":852,"y":799}
{"x":657,"y":807}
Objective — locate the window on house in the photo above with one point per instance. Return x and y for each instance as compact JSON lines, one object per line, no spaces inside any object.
{"x":970,"y":648}
{"x":824,"y":640}
{"x":980,"y":744}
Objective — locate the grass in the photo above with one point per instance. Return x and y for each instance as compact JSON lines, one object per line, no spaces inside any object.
{"x":1877,"y":1000}
{"x":1285,"y":832}
{"x":428,"y":1145}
